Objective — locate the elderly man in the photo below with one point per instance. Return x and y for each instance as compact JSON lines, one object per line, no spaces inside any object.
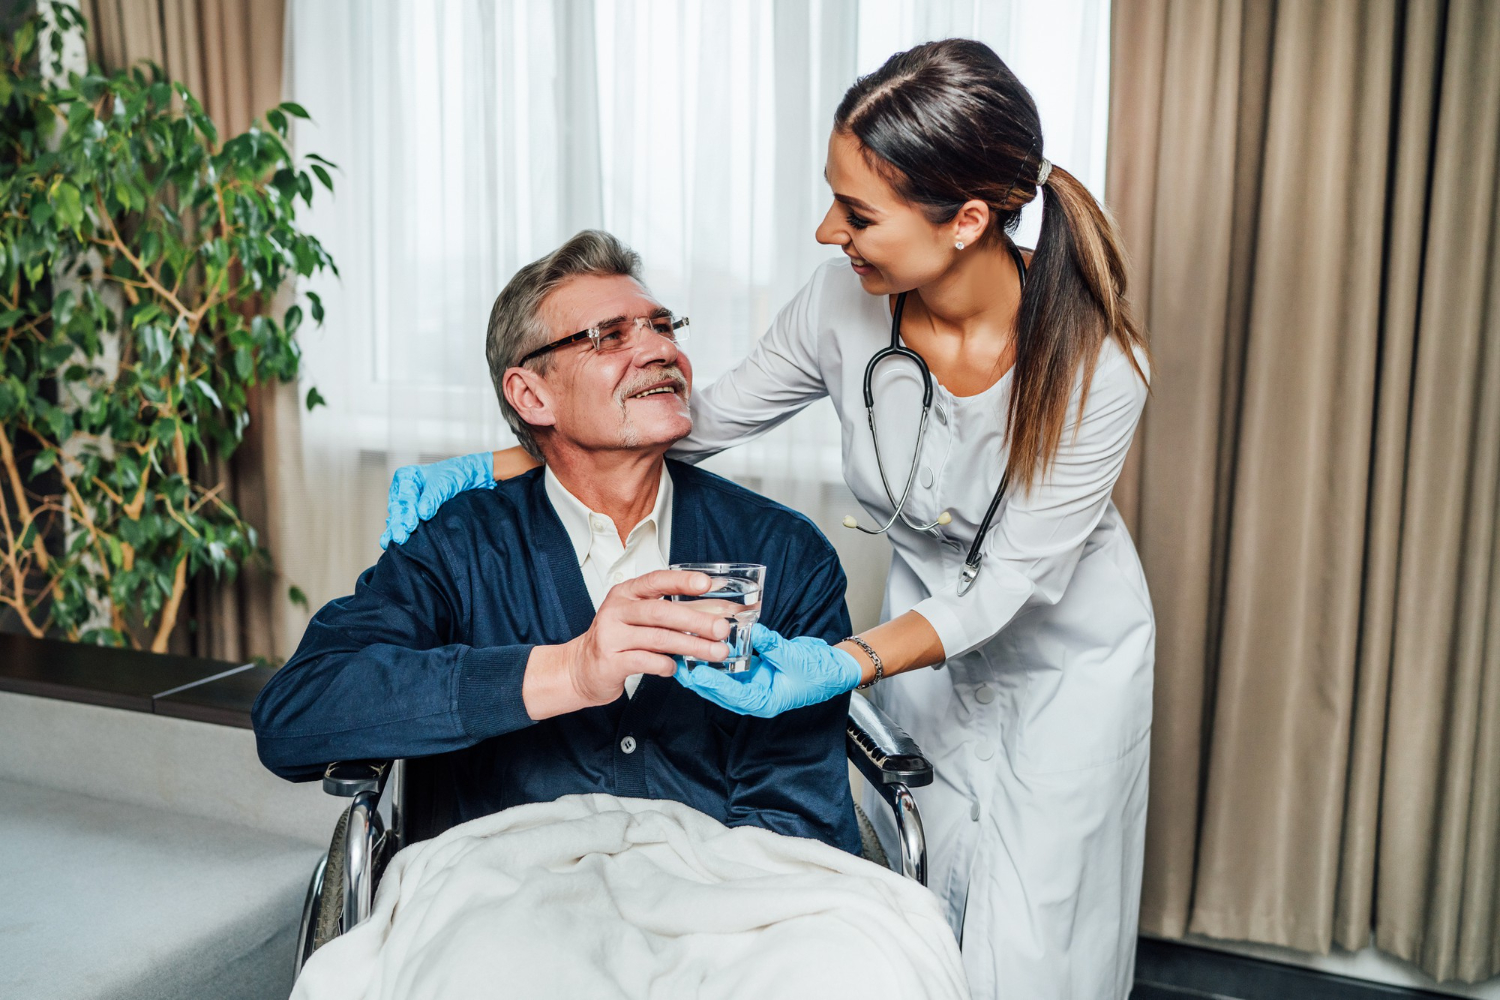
{"x":520,"y":635}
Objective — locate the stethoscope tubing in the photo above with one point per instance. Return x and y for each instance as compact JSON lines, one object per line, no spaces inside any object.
{"x":970,"y":571}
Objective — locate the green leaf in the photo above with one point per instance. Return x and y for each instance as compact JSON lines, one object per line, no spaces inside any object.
{"x":25,"y":37}
{"x":142,"y":314}
{"x":317,"y":307}
{"x":10,"y":317}
{"x":78,"y":114}
{"x":292,"y":320}
{"x":307,"y":261}
{"x":208,"y":391}
{"x":277,"y":120}
{"x":55,"y":353}
{"x":294,"y":109}
{"x":150,"y":246}
{"x":323,"y":176}
{"x":62,"y":307}
{"x":244,"y":363}
{"x":44,"y":461}
{"x":315,"y":398}
{"x":68,"y":204}
{"x":296,"y":596}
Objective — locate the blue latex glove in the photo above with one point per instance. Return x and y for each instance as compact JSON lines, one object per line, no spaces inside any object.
{"x":784,"y":674}
{"x":417,"y":491}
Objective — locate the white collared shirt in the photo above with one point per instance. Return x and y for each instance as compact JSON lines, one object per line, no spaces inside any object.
{"x":602,"y":558}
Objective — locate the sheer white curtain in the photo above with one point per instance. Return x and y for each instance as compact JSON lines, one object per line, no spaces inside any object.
{"x":473,"y":136}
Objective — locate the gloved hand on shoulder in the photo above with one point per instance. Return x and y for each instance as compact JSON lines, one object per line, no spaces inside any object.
{"x":417,"y":491}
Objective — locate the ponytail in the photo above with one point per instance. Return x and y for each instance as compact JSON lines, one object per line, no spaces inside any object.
{"x":1074,"y":301}
{"x":949,"y":122}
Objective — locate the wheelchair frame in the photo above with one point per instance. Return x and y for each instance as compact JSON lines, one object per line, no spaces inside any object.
{"x":364,"y":840}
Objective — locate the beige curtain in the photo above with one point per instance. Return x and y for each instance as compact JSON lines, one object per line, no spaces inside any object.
{"x":229,"y":54}
{"x":1309,"y":194}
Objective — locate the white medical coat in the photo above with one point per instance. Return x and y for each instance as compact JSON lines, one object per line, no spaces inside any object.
{"x":1038,"y":722}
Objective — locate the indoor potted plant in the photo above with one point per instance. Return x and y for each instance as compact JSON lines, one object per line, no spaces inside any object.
{"x":140,"y":260}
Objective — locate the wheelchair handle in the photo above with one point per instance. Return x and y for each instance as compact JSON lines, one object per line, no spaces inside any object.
{"x":347,"y":778}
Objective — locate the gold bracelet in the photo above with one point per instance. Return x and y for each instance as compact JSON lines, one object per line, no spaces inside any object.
{"x":874,"y":658}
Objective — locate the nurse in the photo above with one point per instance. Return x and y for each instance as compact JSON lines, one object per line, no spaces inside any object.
{"x":1017,"y":635}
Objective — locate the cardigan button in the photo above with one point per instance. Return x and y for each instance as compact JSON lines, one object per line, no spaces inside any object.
{"x":627,"y":745}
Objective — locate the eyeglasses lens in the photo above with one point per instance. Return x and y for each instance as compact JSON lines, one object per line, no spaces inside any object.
{"x":617,"y":336}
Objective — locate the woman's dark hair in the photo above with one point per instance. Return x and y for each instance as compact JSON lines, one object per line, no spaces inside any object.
{"x":948,"y":122}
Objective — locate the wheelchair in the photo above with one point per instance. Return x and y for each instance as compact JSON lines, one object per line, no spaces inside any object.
{"x":386,"y":815}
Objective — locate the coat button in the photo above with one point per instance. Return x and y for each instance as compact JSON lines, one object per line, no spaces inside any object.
{"x":974,"y":812}
{"x":985,"y":694}
{"x":984,"y":752}
{"x":927,"y":477}
{"x":941,"y":412}
{"x":627,"y":745}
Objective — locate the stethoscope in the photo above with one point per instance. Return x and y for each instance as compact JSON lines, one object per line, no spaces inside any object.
{"x":970,"y":571}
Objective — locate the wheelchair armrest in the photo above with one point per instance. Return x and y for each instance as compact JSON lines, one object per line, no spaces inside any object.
{"x":347,"y":778}
{"x":881,"y":750}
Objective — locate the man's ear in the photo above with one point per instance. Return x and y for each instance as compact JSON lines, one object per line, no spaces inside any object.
{"x":529,"y":395}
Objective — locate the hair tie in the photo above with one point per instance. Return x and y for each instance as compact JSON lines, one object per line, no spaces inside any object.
{"x":1043,"y":172}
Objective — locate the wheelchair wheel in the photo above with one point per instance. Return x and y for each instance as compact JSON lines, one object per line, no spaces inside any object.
{"x":869,"y":843}
{"x":329,"y":918}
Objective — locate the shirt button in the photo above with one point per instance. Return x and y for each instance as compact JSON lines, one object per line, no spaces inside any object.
{"x":627,"y":745}
{"x":927,"y":477}
{"x":974,"y":812}
{"x":617,"y":578}
{"x":597,"y":523}
{"x":985,"y":694}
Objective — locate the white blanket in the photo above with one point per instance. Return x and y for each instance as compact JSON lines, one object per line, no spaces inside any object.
{"x":594,"y":896}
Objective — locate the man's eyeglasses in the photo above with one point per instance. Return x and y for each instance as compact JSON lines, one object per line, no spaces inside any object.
{"x":619,"y":333}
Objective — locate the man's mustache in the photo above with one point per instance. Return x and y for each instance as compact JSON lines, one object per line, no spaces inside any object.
{"x":667,"y":372}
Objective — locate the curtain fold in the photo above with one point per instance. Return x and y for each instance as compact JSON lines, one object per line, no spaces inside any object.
{"x":1308,"y":194}
{"x":228,"y":53}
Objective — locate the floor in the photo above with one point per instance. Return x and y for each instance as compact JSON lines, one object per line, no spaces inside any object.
{"x":1173,"y":971}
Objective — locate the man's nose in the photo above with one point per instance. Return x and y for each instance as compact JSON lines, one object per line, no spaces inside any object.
{"x":652,"y":348}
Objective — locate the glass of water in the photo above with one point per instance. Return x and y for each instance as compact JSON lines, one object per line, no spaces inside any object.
{"x":738,"y":583}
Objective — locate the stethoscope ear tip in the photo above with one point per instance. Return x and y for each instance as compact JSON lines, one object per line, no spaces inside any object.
{"x":850,"y":521}
{"x":945,"y":518}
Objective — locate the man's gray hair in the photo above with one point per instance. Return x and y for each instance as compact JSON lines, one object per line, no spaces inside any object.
{"x":516,"y":327}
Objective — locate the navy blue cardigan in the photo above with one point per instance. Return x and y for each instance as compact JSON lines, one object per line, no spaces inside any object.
{"x":427,"y":658}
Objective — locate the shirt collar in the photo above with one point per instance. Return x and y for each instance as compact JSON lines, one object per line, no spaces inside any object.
{"x":576,"y":516}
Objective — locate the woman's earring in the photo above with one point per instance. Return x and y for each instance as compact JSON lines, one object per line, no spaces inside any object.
{"x":959,"y":245}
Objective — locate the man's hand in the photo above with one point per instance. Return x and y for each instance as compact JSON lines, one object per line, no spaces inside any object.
{"x":634,"y":632}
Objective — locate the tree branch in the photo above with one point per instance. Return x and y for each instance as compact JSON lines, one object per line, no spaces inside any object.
{"x":8,"y":459}
{"x":119,"y":244}
{"x":169,"y":612}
